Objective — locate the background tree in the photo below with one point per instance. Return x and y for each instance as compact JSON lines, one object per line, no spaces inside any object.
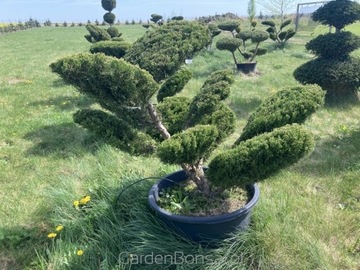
{"x":279,"y":7}
{"x":251,"y":10}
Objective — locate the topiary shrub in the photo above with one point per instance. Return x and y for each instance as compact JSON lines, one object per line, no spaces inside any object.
{"x":260,"y":157}
{"x":229,"y":25}
{"x":174,"y":84}
{"x":290,"y":105}
{"x":187,"y":130}
{"x":177,"y":18}
{"x":163,"y":51}
{"x":338,"y":13}
{"x":111,"y":48}
{"x":108,"y":5}
{"x":116,"y":131}
{"x":189,"y":146}
{"x":174,"y":112}
{"x":340,"y":78}
{"x":96,"y":33}
{"x":156,"y":18}
{"x":109,"y":18}
{"x":334,"y":46}
{"x":113,"y":32}
{"x":281,"y":35}
{"x":334,"y":69}
{"x":240,"y":39}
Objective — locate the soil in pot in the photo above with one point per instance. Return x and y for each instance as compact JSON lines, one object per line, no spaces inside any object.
{"x":185,"y":199}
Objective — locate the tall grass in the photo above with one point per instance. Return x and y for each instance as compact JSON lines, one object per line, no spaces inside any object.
{"x":307,"y":218}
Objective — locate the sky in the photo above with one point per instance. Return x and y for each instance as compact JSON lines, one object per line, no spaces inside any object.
{"x":83,"y":10}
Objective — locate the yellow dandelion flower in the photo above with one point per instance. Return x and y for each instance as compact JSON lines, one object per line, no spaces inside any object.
{"x":59,"y":228}
{"x":52,"y":235}
{"x":79,"y":252}
{"x":85,"y":200}
{"x":76,"y":203}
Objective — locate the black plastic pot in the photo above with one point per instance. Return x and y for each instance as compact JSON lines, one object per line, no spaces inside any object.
{"x":202,"y":229}
{"x":246,"y":68}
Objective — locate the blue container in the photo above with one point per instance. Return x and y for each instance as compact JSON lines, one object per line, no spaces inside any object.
{"x":202,"y":229}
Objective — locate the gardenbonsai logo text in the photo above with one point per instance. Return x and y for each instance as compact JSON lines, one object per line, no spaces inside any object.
{"x":177,"y":258}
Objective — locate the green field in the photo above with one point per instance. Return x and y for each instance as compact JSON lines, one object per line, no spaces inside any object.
{"x":308,"y":216}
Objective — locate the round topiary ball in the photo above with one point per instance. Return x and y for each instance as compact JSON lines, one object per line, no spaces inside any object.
{"x":230,"y":25}
{"x":108,"y":5}
{"x":109,"y":17}
{"x":228,"y":44}
{"x":258,"y":36}
{"x":113,"y":32}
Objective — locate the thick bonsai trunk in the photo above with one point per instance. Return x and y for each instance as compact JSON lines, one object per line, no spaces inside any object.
{"x":197,"y":175}
{"x":194,"y":171}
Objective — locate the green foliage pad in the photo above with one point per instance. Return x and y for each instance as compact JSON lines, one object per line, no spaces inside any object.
{"x":258,"y":158}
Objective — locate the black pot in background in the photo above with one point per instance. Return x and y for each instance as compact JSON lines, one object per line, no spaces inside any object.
{"x":246,"y":68}
{"x":201,"y":229}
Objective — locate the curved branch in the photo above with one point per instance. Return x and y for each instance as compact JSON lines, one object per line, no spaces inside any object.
{"x":157,"y":121}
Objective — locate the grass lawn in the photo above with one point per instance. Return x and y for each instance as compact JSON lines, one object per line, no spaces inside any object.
{"x":308,"y":216}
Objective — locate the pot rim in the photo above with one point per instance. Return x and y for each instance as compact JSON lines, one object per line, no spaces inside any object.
{"x":153,"y":195}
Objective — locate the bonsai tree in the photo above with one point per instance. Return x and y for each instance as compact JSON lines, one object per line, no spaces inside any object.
{"x":163,"y":51}
{"x":281,"y":35}
{"x":107,"y":41}
{"x":157,"y":20}
{"x":183,"y":130}
{"x":241,"y":39}
{"x":334,"y":69}
{"x":98,"y":34}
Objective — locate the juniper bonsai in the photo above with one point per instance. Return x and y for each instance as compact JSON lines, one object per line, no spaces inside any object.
{"x":334,"y":68}
{"x":179,"y":129}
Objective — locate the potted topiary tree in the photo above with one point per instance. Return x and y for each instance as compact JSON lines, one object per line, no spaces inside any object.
{"x":186,"y":131}
{"x":238,"y":43}
{"x":334,"y":68}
